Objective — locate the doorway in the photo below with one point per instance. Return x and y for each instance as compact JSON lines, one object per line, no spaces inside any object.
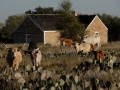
{"x":28,"y":38}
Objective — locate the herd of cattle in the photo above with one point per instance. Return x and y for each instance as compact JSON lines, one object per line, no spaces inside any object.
{"x":86,"y":45}
{"x":14,"y":56}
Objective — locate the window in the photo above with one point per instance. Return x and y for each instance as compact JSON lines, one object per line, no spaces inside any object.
{"x":96,"y":33}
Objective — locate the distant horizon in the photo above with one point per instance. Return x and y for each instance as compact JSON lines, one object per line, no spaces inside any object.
{"x":88,"y":7}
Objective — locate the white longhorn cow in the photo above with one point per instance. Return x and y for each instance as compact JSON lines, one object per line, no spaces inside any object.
{"x":36,"y":57}
{"x":35,"y":54}
{"x":93,"y":39}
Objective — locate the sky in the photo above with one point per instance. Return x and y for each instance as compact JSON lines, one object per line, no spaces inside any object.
{"x":17,"y":7}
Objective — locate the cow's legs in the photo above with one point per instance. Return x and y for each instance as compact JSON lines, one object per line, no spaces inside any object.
{"x":34,"y":65}
{"x":15,"y":66}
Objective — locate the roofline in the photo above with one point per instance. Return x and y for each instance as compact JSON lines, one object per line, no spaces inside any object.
{"x":20,"y":23}
{"x":24,"y":20}
{"x":93,"y":20}
{"x":51,"y":31}
{"x":101,"y":21}
{"x":35,"y":23}
{"x":43,"y":14}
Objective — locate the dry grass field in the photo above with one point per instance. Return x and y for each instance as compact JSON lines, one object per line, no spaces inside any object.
{"x":52,"y":57}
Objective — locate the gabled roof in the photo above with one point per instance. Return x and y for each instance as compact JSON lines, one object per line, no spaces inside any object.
{"x":86,"y":19}
{"x":99,"y":20}
{"x":47,"y":22}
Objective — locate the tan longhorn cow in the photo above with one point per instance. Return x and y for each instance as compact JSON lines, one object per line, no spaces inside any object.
{"x":14,"y":56}
{"x":84,"y":47}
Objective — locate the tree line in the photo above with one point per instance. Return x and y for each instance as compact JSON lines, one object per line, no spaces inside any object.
{"x":69,"y":23}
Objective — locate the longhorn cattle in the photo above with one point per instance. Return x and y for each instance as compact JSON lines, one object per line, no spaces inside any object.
{"x":14,"y":56}
{"x":84,"y":47}
{"x":36,"y":57}
{"x":35,"y":54}
{"x":99,"y":55}
{"x":67,"y":42}
{"x":93,"y":39}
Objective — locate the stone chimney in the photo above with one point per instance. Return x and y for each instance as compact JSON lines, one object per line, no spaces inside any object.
{"x":75,"y":13}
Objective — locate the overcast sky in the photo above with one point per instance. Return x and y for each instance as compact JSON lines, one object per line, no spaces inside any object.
{"x":14,"y":7}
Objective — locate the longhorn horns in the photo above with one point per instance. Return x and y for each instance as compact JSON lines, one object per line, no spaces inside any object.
{"x":22,"y":45}
{"x":5,"y":45}
{"x":8,"y":47}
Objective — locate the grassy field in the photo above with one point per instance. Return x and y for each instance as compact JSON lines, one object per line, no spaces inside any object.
{"x":67,"y":60}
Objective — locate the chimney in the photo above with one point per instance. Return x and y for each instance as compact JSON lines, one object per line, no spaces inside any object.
{"x":75,"y":13}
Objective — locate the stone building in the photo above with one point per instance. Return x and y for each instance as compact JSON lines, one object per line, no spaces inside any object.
{"x":41,"y":28}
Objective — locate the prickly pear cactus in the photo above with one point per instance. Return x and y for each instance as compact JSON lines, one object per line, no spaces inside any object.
{"x":111,"y":71}
{"x":110,"y":56}
{"x":54,"y":71}
{"x":116,"y":75}
{"x":62,"y":82}
{"x":30,"y":85}
{"x":21,"y":87}
{"x":76,"y":79}
{"x":28,"y":67}
{"x":98,"y":69}
{"x":56,"y":84}
{"x":114,"y":58}
{"x":97,"y":81}
{"x":40,"y":69}
{"x":52,"y":88}
{"x":119,"y":85}
{"x":25,"y":89}
{"x":91,"y":60}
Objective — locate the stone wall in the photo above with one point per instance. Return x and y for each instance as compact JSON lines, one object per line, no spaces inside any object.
{"x":52,"y":38}
{"x":97,"y":26}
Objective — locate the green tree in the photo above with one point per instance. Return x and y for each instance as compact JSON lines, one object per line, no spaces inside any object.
{"x":113,"y":25}
{"x":40,"y":10}
{"x":10,"y":24}
{"x":65,"y":6}
{"x":68,"y":24}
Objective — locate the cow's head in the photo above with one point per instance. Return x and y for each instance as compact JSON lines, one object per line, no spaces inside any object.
{"x":13,"y":50}
{"x":34,"y":53}
{"x":76,"y":45}
{"x":86,"y":38}
{"x":31,"y":47}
